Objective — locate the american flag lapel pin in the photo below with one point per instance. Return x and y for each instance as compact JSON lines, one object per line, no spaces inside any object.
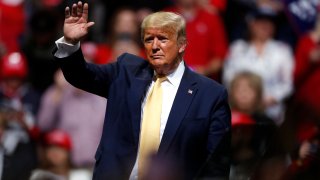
{"x":190,"y":91}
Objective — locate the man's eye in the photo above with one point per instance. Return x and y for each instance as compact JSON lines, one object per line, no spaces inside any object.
{"x":148,"y":40}
{"x":163,"y":39}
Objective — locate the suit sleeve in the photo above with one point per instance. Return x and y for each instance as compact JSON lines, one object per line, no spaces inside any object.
{"x":89,"y":77}
{"x":217,"y":165}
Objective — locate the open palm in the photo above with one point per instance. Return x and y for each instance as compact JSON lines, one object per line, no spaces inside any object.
{"x":76,"y":23}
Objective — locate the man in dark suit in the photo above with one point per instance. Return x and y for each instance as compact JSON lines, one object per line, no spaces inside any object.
{"x":192,"y":126}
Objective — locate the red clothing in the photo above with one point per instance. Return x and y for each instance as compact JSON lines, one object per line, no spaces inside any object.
{"x":104,"y":54}
{"x":219,"y":4}
{"x":206,"y":38}
{"x":12,"y":23}
{"x":307,"y":74}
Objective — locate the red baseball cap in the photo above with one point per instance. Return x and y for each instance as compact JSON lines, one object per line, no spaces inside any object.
{"x":14,"y":65}
{"x":58,"y":138}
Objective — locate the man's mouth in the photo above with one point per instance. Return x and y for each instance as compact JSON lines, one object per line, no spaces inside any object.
{"x":156,"y":56}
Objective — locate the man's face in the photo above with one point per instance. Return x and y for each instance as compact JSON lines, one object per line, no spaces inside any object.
{"x":162,"y":49}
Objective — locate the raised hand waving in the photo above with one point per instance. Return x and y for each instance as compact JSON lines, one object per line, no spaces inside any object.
{"x":76,"y":23}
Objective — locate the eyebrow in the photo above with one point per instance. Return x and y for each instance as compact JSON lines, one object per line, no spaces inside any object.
{"x":162,"y":35}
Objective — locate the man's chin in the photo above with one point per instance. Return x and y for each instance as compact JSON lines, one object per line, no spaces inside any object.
{"x":160,"y":69}
{"x":157,"y":63}
{"x":156,"y":60}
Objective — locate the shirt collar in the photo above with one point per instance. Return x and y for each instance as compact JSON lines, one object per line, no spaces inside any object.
{"x":175,"y":77}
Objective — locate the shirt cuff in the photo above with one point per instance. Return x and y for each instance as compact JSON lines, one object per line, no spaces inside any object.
{"x":65,"y":49}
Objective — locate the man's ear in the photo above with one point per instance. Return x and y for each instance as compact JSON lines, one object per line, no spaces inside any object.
{"x":182,"y":46}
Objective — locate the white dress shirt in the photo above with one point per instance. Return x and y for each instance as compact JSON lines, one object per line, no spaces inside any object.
{"x":169,"y":89}
{"x":65,"y":49}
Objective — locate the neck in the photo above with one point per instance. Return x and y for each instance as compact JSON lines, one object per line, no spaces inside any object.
{"x":261,"y":41}
{"x":165,"y":71}
{"x":259,"y":44}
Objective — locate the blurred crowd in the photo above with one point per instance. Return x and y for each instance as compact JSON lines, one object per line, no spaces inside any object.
{"x":266,"y":52}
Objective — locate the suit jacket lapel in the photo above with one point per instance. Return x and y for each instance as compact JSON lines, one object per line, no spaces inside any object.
{"x":136,"y":91}
{"x":182,"y":101}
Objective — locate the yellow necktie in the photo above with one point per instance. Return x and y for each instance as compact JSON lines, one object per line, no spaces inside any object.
{"x":150,"y":128}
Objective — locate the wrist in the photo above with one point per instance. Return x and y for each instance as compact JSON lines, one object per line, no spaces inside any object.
{"x":70,"y":41}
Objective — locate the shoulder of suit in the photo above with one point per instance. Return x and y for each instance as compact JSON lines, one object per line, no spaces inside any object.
{"x":132,"y":63}
{"x":131,"y":60}
{"x":206,"y":82}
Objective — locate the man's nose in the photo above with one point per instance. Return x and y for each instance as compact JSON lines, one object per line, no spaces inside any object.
{"x":155,"y":44}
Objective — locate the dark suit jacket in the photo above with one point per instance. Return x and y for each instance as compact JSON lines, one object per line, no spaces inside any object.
{"x":197,"y":134}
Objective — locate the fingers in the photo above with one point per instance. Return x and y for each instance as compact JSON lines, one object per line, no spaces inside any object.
{"x":74,"y":10}
{"x":85,"y":11}
{"x":67,"y":12}
{"x":79,"y":9}
{"x":89,"y":24}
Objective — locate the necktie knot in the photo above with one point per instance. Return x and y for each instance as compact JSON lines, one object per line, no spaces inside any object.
{"x":161,"y":79}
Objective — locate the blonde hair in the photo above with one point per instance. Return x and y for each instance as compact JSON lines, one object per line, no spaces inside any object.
{"x":166,"y":20}
{"x":255,"y":82}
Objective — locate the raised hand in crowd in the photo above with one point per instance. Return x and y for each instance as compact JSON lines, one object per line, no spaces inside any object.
{"x":76,"y":23}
